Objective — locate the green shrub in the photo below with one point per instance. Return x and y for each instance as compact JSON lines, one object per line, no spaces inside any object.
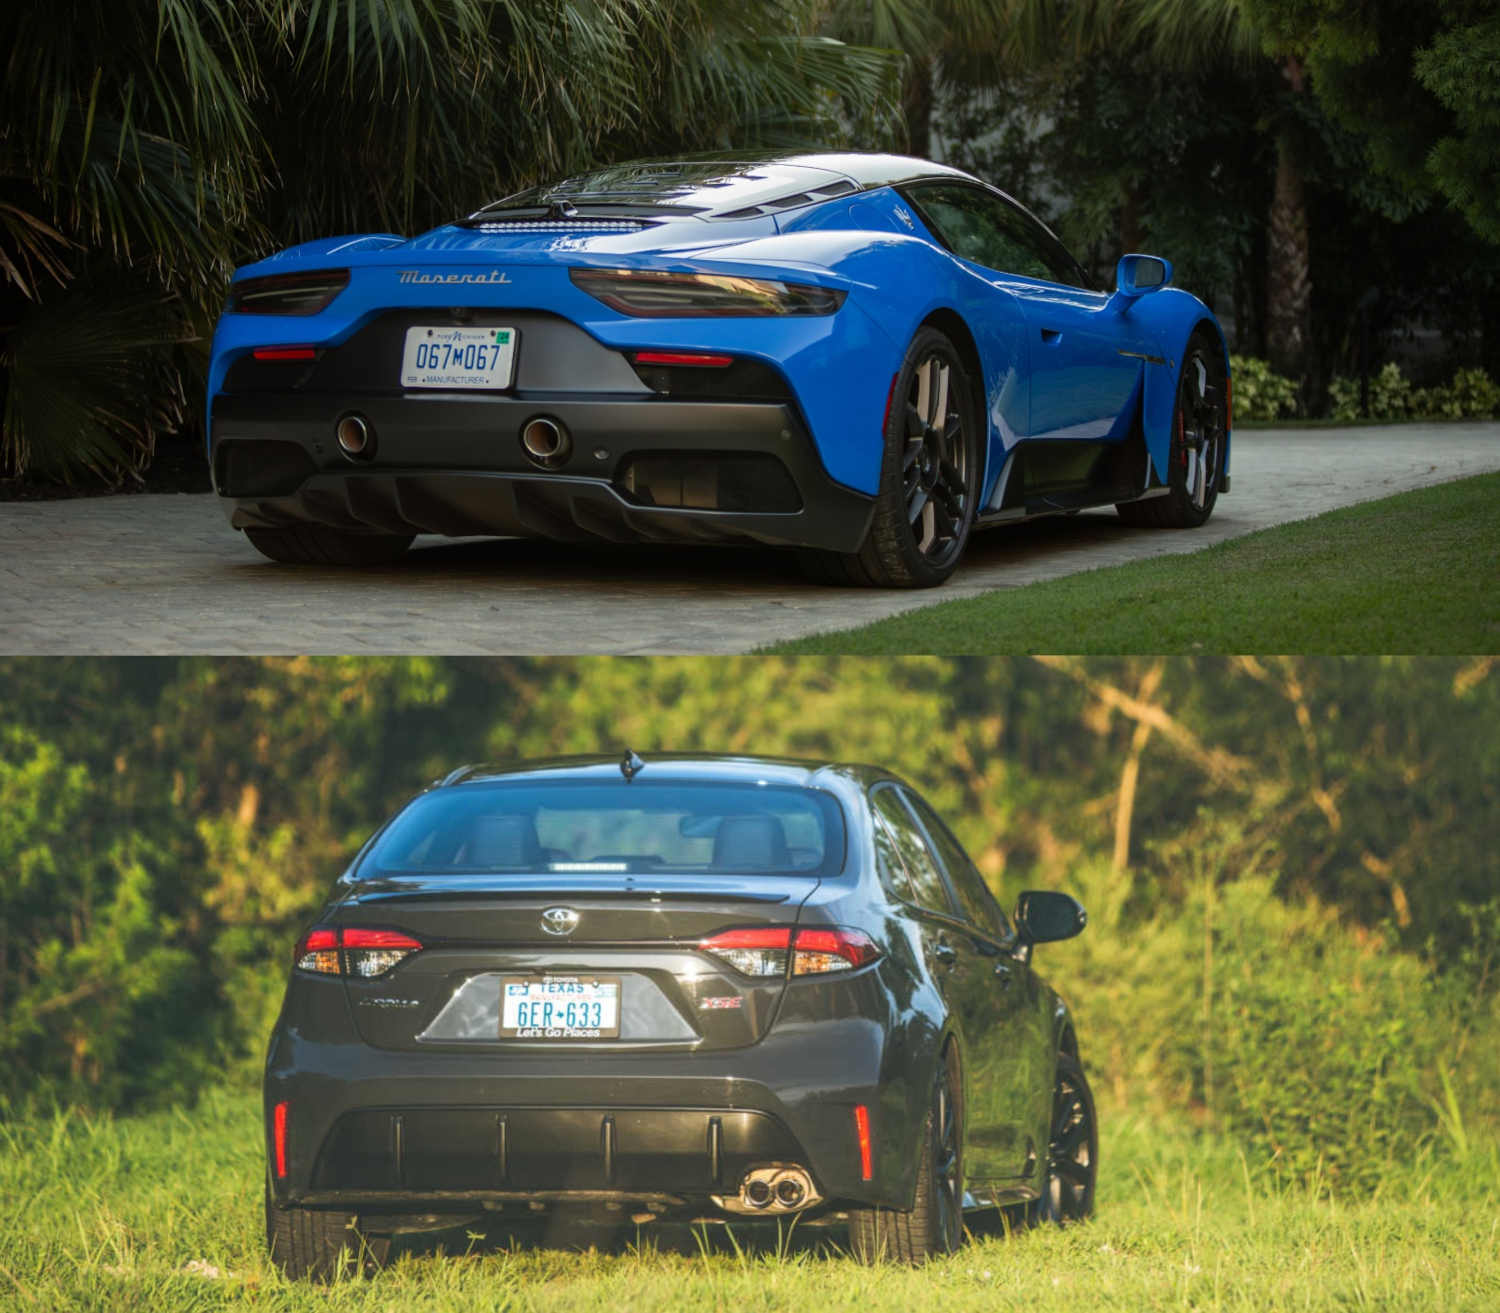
{"x":1260,"y":393}
{"x":1471,"y":394}
{"x":1313,"y":1045}
{"x":1391,"y":396}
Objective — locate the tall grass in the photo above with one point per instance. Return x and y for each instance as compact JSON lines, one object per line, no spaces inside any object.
{"x":1309,"y":1043}
{"x":162,"y":1212}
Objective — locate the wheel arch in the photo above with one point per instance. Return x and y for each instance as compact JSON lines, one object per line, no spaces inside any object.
{"x":1178,"y":318}
{"x":952,"y":1045}
{"x":955,"y":327}
{"x":948,"y":1040}
{"x":1065,"y":1036}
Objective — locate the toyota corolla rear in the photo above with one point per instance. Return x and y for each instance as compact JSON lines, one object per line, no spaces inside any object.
{"x":626,"y":990}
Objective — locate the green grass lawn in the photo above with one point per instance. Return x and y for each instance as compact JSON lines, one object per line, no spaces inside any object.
{"x":118,"y":1213}
{"x":1418,"y":572}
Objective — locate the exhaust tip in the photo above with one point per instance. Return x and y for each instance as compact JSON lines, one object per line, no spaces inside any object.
{"x":546,"y":442}
{"x":772,"y":1188}
{"x":354,"y":436}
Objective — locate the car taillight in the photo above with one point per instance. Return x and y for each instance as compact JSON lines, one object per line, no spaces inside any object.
{"x":862,"y":1139}
{"x":659,"y":294}
{"x":287,"y":294}
{"x":685,"y":359}
{"x":757,"y":951}
{"x":818,"y":951}
{"x":319,"y":951}
{"x":355,"y":951}
{"x":278,"y":1132}
{"x":764,"y":950}
{"x":282,"y":354}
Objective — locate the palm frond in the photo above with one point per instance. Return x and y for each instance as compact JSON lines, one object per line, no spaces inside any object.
{"x":140,"y":197}
{"x":90,"y":383}
{"x":29,"y":248}
{"x":1189,"y":34}
{"x":178,"y":69}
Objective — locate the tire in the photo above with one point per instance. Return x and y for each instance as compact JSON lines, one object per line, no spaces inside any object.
{"x":308,"y":1244}
{"x":315,"y":544}
{"x":1072,"y":1151}
{"x":929,"y":478}
{"x":1198,"y":431}
{"x":934,"y":1224}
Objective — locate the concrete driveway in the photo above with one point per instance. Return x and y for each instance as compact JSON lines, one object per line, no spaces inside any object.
{"x":165,"y":574}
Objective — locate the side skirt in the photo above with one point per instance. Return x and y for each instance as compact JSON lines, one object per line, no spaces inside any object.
{"x":1057,"y":478}
{"x":983,"y":1197}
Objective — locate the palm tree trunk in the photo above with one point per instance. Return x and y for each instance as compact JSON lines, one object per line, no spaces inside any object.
{"x":918,"y":106}
{"x":1132,"y":233}
{"x":1288,"y":272}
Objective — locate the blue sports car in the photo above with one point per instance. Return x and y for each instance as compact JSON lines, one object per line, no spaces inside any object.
{"x":863,"y":357}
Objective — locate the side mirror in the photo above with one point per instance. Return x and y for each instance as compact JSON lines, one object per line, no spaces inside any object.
{"x":1136,"y":275}
{"x":1043,"y":916}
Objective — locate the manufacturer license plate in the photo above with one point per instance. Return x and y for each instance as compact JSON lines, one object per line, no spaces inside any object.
{"x":560,"y":1007}
{"x":441,"y":357}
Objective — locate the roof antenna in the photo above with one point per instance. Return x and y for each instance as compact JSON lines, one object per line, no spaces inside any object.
{"x":631,"y":765}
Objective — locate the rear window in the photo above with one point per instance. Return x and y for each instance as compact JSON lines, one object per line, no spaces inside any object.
{"x":724,"y":187}
{"x":582,"y":826}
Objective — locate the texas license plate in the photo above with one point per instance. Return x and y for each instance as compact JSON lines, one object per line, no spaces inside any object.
{"x":439,"y":357}
{"x":560,"y":1007}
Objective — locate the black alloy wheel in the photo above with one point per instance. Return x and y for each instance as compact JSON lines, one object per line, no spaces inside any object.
{"x":1073,"y":1148}
{"x":947,"y":1175}
{"x":1200,"y":427}
{"x":929,"y":480}
{"x":934,"y":1224}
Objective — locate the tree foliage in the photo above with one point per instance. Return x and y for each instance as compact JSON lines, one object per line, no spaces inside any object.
{"x":1190,"y":126}
{"x":167,"y":827}
{"x":148,"y":147}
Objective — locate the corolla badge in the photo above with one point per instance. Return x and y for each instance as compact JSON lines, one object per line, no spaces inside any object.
{"x":559,"y":920}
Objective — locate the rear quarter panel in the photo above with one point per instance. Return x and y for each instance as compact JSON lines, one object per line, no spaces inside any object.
{"x":897,"y":280}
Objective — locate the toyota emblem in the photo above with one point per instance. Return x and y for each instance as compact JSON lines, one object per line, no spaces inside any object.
{"x":559,"y":920}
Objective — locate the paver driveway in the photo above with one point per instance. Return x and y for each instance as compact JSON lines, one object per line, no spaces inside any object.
{"x":167,"y":574}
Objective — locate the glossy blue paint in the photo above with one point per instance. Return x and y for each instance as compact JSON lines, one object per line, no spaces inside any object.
{"x":1056,"y":362}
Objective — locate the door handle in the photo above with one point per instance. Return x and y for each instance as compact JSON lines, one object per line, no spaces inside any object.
{"x":1051,"y":335}
{"x":1002,"y":974}
{"x":946,"y":954}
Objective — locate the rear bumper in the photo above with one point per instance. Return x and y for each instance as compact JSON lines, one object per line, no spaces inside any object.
{"x":663,"y":1155}
{"x":640,"y":469}
{"x":420,"y":1131}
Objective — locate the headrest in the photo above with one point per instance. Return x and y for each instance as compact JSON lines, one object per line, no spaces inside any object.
{"x":750,"y":843}
{"x":503,"y":840}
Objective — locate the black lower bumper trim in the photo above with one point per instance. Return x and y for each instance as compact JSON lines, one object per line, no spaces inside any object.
{"x":454,"y":465}
{"x":442,"y":1199}
{"x":494,"y":1153}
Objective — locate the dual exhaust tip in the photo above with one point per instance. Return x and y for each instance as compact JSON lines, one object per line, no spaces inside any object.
{"x":546,"y":441}
{"x":776,"y":1188}
{"x":788,"y":1191}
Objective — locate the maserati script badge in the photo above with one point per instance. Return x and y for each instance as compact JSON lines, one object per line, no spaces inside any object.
{"x":559,"y":920}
